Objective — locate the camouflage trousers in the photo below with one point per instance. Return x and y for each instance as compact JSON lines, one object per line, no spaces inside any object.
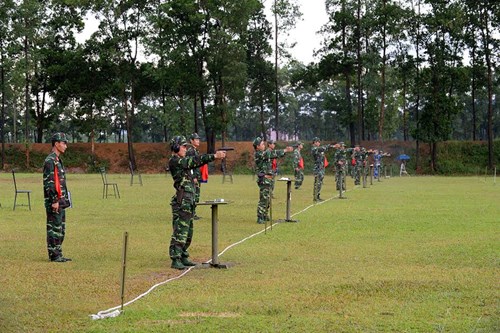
{"x":318,"y":183}
{"x":340,"y":177}
{"x":265,"y":192}
{"x":197,"y":195}
{"x":56,"y":230}
{"x":182,"y":226}
{"x":299,"y":178}
{"x":357,"y":174}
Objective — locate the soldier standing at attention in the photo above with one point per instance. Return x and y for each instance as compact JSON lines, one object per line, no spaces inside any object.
{"x":298,"y":165}
{"x":183,"y":202}
{"x":55,"y":196}
{"x":318,"y":154}
{"x":263,"y":164}
{"x":194,"y":139}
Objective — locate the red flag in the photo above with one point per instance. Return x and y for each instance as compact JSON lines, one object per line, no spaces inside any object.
{"x":204,"y":173}
{"x":275,"y":164}
{"x":301,"y":163}
{"x":326,"y":162}
{"x":57,"y":183}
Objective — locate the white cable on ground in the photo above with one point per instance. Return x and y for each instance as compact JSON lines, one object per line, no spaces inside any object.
{"x":115,"y":312}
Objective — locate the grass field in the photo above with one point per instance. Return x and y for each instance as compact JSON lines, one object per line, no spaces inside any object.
{"x":417,"y":254}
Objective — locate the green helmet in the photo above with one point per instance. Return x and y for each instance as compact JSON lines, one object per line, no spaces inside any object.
{"x":194,"y":136}
{"x":316,"y":139}
{"x":257,"y":141}
{"x":177,"y":142}
{"x":59,"y":137}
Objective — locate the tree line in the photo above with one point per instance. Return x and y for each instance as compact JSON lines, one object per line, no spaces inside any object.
{"x":422,"y":70}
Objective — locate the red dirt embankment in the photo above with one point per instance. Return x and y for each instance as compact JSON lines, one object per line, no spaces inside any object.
{"x":150,"y":157}
{"x":153,"y":157}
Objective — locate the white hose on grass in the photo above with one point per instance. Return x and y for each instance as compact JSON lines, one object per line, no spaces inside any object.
{"x":115,"y":311}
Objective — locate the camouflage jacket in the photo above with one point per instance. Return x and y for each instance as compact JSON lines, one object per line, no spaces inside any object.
{"x":50,"y":191}
{"x":196,"y":172}
{"x":180,"y":168}
{"x":318,"y":154}
{"x":340,"y":154}
{"x":358,"y":157}
{"x":264,"y":160}
{"x":296,"y":159}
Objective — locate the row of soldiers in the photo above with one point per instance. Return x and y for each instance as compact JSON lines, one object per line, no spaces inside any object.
{"x":186,"y":160}
{"x":265,"y":162}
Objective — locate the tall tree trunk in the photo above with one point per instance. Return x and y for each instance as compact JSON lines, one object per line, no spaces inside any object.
{"x":417,"y":102}
{"x":382,"y":88}
{"x":261,"y":113}
{"x":27,"y":100}
{"x":487,"y":55}
{"x":276,"y":101}
{"x":164,"y":106}
{"x":2,"y":118}
{"x":405,"y":112}
{"x":473,"y":93}
{"x":195,"y":111}
{"x":128,"y":124}
{"x":347,"y":77}
{"x":361,"y":134}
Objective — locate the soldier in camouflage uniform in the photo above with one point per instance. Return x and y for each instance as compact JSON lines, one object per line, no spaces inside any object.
{"x":263,"y":164}
{"x":192,"y":150}
{"x":340,"y":164}
{"x":357,"y":156}
{"x":318,"y":154}
{"x":183,"y":202}
{"x":298,"y":165}
{"x":364,"y":160}
{"x":54,"y":193}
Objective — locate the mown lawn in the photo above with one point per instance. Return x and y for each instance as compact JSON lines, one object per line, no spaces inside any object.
{"x":415,"y":254}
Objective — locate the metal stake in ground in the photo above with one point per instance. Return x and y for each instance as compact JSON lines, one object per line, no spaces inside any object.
{"x":124,"y":266}
{"x":288,"y":199}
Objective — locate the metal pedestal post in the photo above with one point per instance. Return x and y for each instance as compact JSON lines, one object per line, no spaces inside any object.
{"x":288,"y":200}
{"x":215,"y":234}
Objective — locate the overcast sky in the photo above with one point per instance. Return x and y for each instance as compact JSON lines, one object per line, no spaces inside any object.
{"x":304,"y":34}
{"x":313,"y":18}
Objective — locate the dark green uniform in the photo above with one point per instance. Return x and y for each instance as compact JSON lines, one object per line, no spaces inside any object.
{"x":318,"y":154}
{"x":183,"y":202}
{"x":196,"y":173}
{"x":53,"y":170}
{"x":357,"y":155}
{"x":298,"y":169}
{"x":264,"y":169}
{"x":341,"y":166}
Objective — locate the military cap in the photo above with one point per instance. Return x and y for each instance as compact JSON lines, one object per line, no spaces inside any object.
{"x":59,"y":136}
{"x":299,"y":143}
{"x":176,"y":142}
{"x":194,"y":136}
{"x":316,"y":139}
{"x":257,"y":141}
{"x":270,"y":142}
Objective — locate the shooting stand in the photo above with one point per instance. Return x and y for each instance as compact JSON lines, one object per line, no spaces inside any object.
{"x":214,"y":263}
{"x":288,"y":199}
